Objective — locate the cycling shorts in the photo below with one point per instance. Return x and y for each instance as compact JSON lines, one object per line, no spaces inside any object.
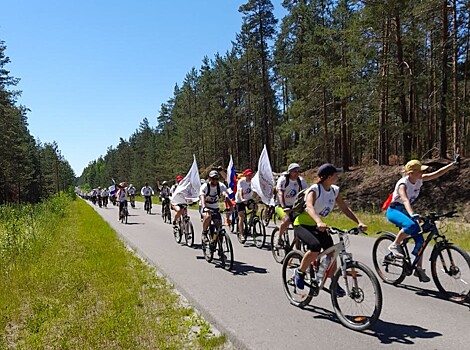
{"x":315,"y":240}
{"x":281,"y":213}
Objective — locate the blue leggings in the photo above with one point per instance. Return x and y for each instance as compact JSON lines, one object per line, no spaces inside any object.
{"x":400,"y":218}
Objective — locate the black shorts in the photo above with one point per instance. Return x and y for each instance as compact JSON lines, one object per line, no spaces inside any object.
{"x":314,"y":240}
{"x":242,"y":206}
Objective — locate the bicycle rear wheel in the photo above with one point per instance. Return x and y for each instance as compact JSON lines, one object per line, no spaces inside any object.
{"x":296,"y":296}
{"x":279,"y":251}
{"x":167,"y":215}
{"x":177,"y":233}
{"x":189,"y":234}
{"x":225,"y":250}
{"x":450,"y":268}
{"x":259,"y":233}
{"x":361,"y":308}
{"x":389,"y":268}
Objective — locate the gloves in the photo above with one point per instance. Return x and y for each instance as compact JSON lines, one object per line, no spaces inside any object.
{"x":415,"y":217}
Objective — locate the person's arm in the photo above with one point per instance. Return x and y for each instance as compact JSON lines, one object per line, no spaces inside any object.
{"x":202,"y":196}
{"x":438,"y":173}
{"x":404,"y":198}
{"x":310,"y":208}
{"x":349,"y":213}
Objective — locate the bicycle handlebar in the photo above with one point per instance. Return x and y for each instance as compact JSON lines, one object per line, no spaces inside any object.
{"x":337,"y":231}
{"x":432,"y":216}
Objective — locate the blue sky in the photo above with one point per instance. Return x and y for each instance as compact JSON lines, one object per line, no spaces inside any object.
{"x":92,"y":70}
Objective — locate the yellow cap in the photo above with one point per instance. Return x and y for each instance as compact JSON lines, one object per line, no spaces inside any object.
{"x":414,"y":165}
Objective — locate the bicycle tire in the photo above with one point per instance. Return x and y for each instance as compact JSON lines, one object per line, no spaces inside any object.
{"x":168,"y":215}
{"x":126,"y":214}
{"x":259,"y":233}
{"x":297,"y":297}
{"x":458,"y":275}
{"x":389,"y":268}
{"x":189,"y":234}
{"x":207,"y":251}
{"x":263,"y":220}
{"x":225,"y":250}
{"x":177,"y":233}
{"x":368,"y":290}
{"x":279,"y":253}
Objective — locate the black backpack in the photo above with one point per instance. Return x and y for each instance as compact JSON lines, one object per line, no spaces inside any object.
{"x":298,"y":181}
{"x":299,"y":204}
{"x":209,"y":189}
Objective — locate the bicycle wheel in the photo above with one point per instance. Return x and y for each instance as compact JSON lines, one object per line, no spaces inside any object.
{"x":259,"y":233}
{"x":450,"y":268}
{"x":189,"y":234}
{"x":296,"y":296}
{"x":177,"y":233}
{"x":264,"y":220}
{"x":361,"y":308}
{"x":279,"y":251}
{"x":225,"y":250}
{"x":207,"y":251}
{"x":389,"y":268}
{"x":168,"y":215}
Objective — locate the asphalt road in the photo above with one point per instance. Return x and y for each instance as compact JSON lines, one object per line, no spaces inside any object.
{"x":249,"y":305}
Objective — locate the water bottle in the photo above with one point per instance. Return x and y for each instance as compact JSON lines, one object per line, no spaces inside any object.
{"x":322,"y":269}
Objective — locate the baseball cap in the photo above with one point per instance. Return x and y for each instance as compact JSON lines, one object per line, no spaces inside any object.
{"x":214,"y":173}
{"x":292,"y":166}
{"x":179,"y":178}
{"x":328,"y":169}
{"x":248,"y":172}
{"x":414,"y":165}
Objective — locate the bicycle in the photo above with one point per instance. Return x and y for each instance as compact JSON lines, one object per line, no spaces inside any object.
{"x":166,"y":212}
{"x":252,"y":227}
{"x":123,"y":213}
{"x":132,"y":199}
{"x":218,"y":241}
{"x":267,"y":214}
{"x":284,"y":245}
{"x":361,"y":305}
{"x":147,"y":205}
{"x":185,"y":228}
{"x":450,"y":264}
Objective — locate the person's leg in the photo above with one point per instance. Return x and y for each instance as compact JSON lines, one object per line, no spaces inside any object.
{"x":313,"y":245}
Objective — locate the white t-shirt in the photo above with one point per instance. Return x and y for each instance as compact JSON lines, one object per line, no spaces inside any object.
{"x":243,"y":189}
{"x":213,"y":197}
{"x":412,"y":190}
{"x":325,"y":200}
{"x":131,"y":190}
{"x":122,"y":195}
{"x":290,"y":192}
{"x":146,"y":191}
{"x":165,"y":192}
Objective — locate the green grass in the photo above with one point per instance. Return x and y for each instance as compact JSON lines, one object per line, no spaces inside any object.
{"x":455,"y":231}
{"x":84,"y":290}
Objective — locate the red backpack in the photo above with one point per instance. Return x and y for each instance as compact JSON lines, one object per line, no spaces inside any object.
{"x":387,"y":202}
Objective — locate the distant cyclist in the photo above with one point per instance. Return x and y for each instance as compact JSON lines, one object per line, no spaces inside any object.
{"x":131,"y":192}
{"x":288,"y":186}
{"x":242,"y":197}
{"x":164,"y":194}
{"x":121,"y":197}
{"x":177,"y":201}
{"x":147,"y":192}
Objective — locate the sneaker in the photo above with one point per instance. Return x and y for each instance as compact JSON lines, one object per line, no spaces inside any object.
{"x":396,"y":250}
{"x":340,"y":292}
{"x":299,"y":279}
{"x":421,"y":274}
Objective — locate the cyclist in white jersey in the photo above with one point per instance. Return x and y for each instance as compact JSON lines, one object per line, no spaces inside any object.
{"x":147,"y":192}
{"x":210,"y":194}
{"x":121,"y":197}
{"x":177,"y":201}
{"x":287,"y":187}
{"x":242,"y":197}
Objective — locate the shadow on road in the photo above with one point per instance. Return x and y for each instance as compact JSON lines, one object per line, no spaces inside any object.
{"x":243,"y":269}
{"x":432,"y":293}
{"x":386,"y":332}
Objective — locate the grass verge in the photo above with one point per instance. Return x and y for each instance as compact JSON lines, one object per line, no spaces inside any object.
{"x":85,"y":290}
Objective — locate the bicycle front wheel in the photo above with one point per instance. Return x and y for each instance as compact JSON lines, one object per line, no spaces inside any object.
{"x":360,"y":308}
{"x":298,"y":297}
{"x":189,"y":234}
{"x":279,"y":251}
{"x":389,"y":268}
{"x":259,"y":234}
{"x":168,"y":215}
{"x":450,"y":268}
{"x":264,"y":219}
{"x":225,"y":250}
{"x":177,"y":233}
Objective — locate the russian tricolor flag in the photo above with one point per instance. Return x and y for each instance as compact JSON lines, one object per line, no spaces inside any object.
{"x":231,"y":179}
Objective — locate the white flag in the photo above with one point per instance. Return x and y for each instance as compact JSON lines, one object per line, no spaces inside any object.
{"x":190,"y":186}
{"x":263,"y":181}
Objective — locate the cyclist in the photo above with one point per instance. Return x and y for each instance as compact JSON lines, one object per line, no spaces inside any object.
{"x":320,"y":199}
{"x":164,"y":194}
{"x":131,"y":192}
{"x":147,"y":192}
{"x":210,"y":194}
{"x":288,"y":186}
{"x":105,"y":195}
{"x":401,"y":214}
{"x":243,"y":198}
{"x":121,"y":196}
{"x":177,"y":201}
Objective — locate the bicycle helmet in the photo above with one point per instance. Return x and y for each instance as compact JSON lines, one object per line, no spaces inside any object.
{"x":164,"y":183}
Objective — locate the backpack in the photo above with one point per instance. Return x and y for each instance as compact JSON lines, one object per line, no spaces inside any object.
{"x":299,"y":204}
{"x":387,"y":202}
{"x":298,"y":181}
{"x":209,"y":189}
